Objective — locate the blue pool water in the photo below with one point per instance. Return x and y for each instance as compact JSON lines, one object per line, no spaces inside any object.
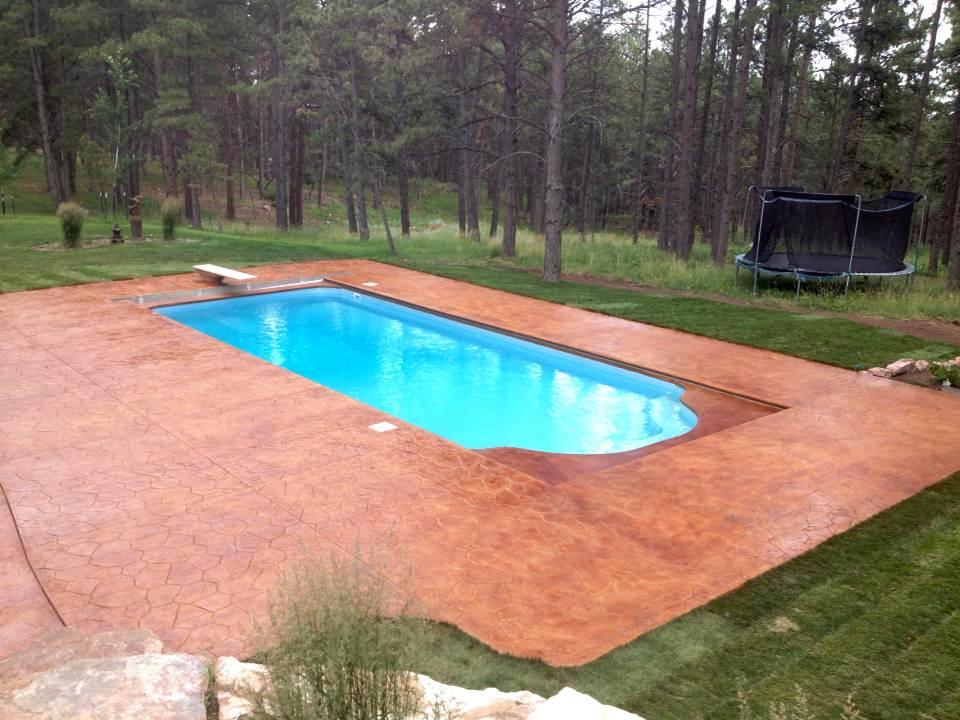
{"x":475,"y":387}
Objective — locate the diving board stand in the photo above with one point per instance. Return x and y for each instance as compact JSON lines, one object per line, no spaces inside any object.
{"x":223,"y":275}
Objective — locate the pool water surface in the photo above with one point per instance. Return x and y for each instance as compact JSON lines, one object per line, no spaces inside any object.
{"x":472,"y":386}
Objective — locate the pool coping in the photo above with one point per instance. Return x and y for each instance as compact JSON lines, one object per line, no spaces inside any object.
{"x":178,"y":298}
{"x":551,"y":467}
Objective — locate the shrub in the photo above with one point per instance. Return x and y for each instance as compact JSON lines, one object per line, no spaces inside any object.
{"x":946,"y":374}
{"x":71,"y":217}
{"x":170,"y":213}
{"x":340,"y":647}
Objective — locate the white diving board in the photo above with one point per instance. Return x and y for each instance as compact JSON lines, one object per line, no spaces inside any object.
{"x":223,"y":275}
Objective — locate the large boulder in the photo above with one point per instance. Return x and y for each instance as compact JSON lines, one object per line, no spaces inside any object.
{"x":114,"y":675}
{"x":65,"y":645}
{"x":568,"y":704}
{"x":132,"y":687}
{"x":899,"y":367}
{"x":439,"y":700}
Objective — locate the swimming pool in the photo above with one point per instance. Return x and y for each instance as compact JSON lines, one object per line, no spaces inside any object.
{"x":475,"y":387}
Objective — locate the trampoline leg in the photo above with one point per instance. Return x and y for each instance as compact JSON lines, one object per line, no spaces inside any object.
{"x":846,"y":288}
{"x":798,"y":288}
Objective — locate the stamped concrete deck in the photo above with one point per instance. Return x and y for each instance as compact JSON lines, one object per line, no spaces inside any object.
{"x":162,"y":479}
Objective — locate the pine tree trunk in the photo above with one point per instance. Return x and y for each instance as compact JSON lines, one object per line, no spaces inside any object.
{"x":297,"y":159}
{"x":699,"y":208}
{"x":347,"y":171}
{"x":227,"y":152}
{"x":241,"y":145}
{"x":168,"y":159}
{"x":718,"y":169}
{"x":467,"y":176}
{"x":953,"y":274}
{"x":493,"y":197}
{"x":786,"y":81}
{"x":792,"y":139}
{"x":683,"y":240}
{"x":641,"y":152}
{"x":378,"y":201}
{"x":280,"y":123}
{"x":553,"y":205}
{"x":403,"y":184}
{"x":585,"y":170}
{"x":772,"y":64}
{"x":666,"y":196}
{"x":187,"y":200}
{"x":853,"y":84}
{"x":55,"y":187}
{"x":721,"y":228}
{"x":511,"y":72}
{"x":322,"y":175}
{"x":948,"y":202}
{"x":358,"y":151}
{"x":922,"y":92}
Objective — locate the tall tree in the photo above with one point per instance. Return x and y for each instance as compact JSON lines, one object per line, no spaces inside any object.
{"x":641,"y":151}
{"x":684,"y":230}
{"x":721,"y":228}
{"x":669,"y":153}
{"x":553,"y":235}
{"x":922,"y":92}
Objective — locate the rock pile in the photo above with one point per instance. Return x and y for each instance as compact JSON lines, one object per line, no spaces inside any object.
{"x":906,"y":366}
{"x":240,"y":686}
{"x":125,"y":675}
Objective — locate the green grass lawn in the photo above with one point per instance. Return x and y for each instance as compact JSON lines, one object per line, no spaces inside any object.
{"x":826,"y":339}
{"x":874,"y":612}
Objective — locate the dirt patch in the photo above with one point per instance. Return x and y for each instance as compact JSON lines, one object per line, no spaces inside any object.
{"x":947,"y":331}
{"x":784,"y":625}
{"x":97,"y":242}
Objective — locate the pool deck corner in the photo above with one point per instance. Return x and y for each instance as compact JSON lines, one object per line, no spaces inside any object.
{"x":154,"y":477}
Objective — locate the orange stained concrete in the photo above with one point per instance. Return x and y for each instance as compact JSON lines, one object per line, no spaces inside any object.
{"x":162,"y":479}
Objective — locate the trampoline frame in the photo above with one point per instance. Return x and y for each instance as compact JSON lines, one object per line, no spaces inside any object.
{"x":801,"y":274}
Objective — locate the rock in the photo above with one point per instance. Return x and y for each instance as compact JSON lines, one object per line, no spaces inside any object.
{"x":921,"y":365}
{"x":443,"y":701}
{"x":899,"y":367}
{"x":240,"y":678}
{"x":568,"y":704}
{"x":880,"y":372}
{"x":239,"y":686}
{"x":234,"y":707}
{"x":64,"y":645}
{"x":134,"y":687}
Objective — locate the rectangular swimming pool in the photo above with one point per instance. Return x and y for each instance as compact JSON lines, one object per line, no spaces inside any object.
{"x":475,"y":387}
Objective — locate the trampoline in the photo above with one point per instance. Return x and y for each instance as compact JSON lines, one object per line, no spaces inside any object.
{"x":819,"y":236}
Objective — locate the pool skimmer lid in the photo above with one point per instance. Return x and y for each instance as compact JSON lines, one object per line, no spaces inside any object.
{"x":383,"y":426}
{"x":370,"y":284}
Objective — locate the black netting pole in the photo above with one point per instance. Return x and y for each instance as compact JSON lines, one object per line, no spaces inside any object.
{"x":853,"y":246}
{"x":916,"y":252}
{"x":756,"y":241}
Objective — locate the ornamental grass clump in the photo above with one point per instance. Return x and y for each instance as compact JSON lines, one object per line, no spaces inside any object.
{"x":71,"y":217}
{"x":170,"y":213}
{"x":340,"y":647}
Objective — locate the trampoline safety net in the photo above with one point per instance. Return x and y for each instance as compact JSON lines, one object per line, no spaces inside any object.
{"x":820,"y":234}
